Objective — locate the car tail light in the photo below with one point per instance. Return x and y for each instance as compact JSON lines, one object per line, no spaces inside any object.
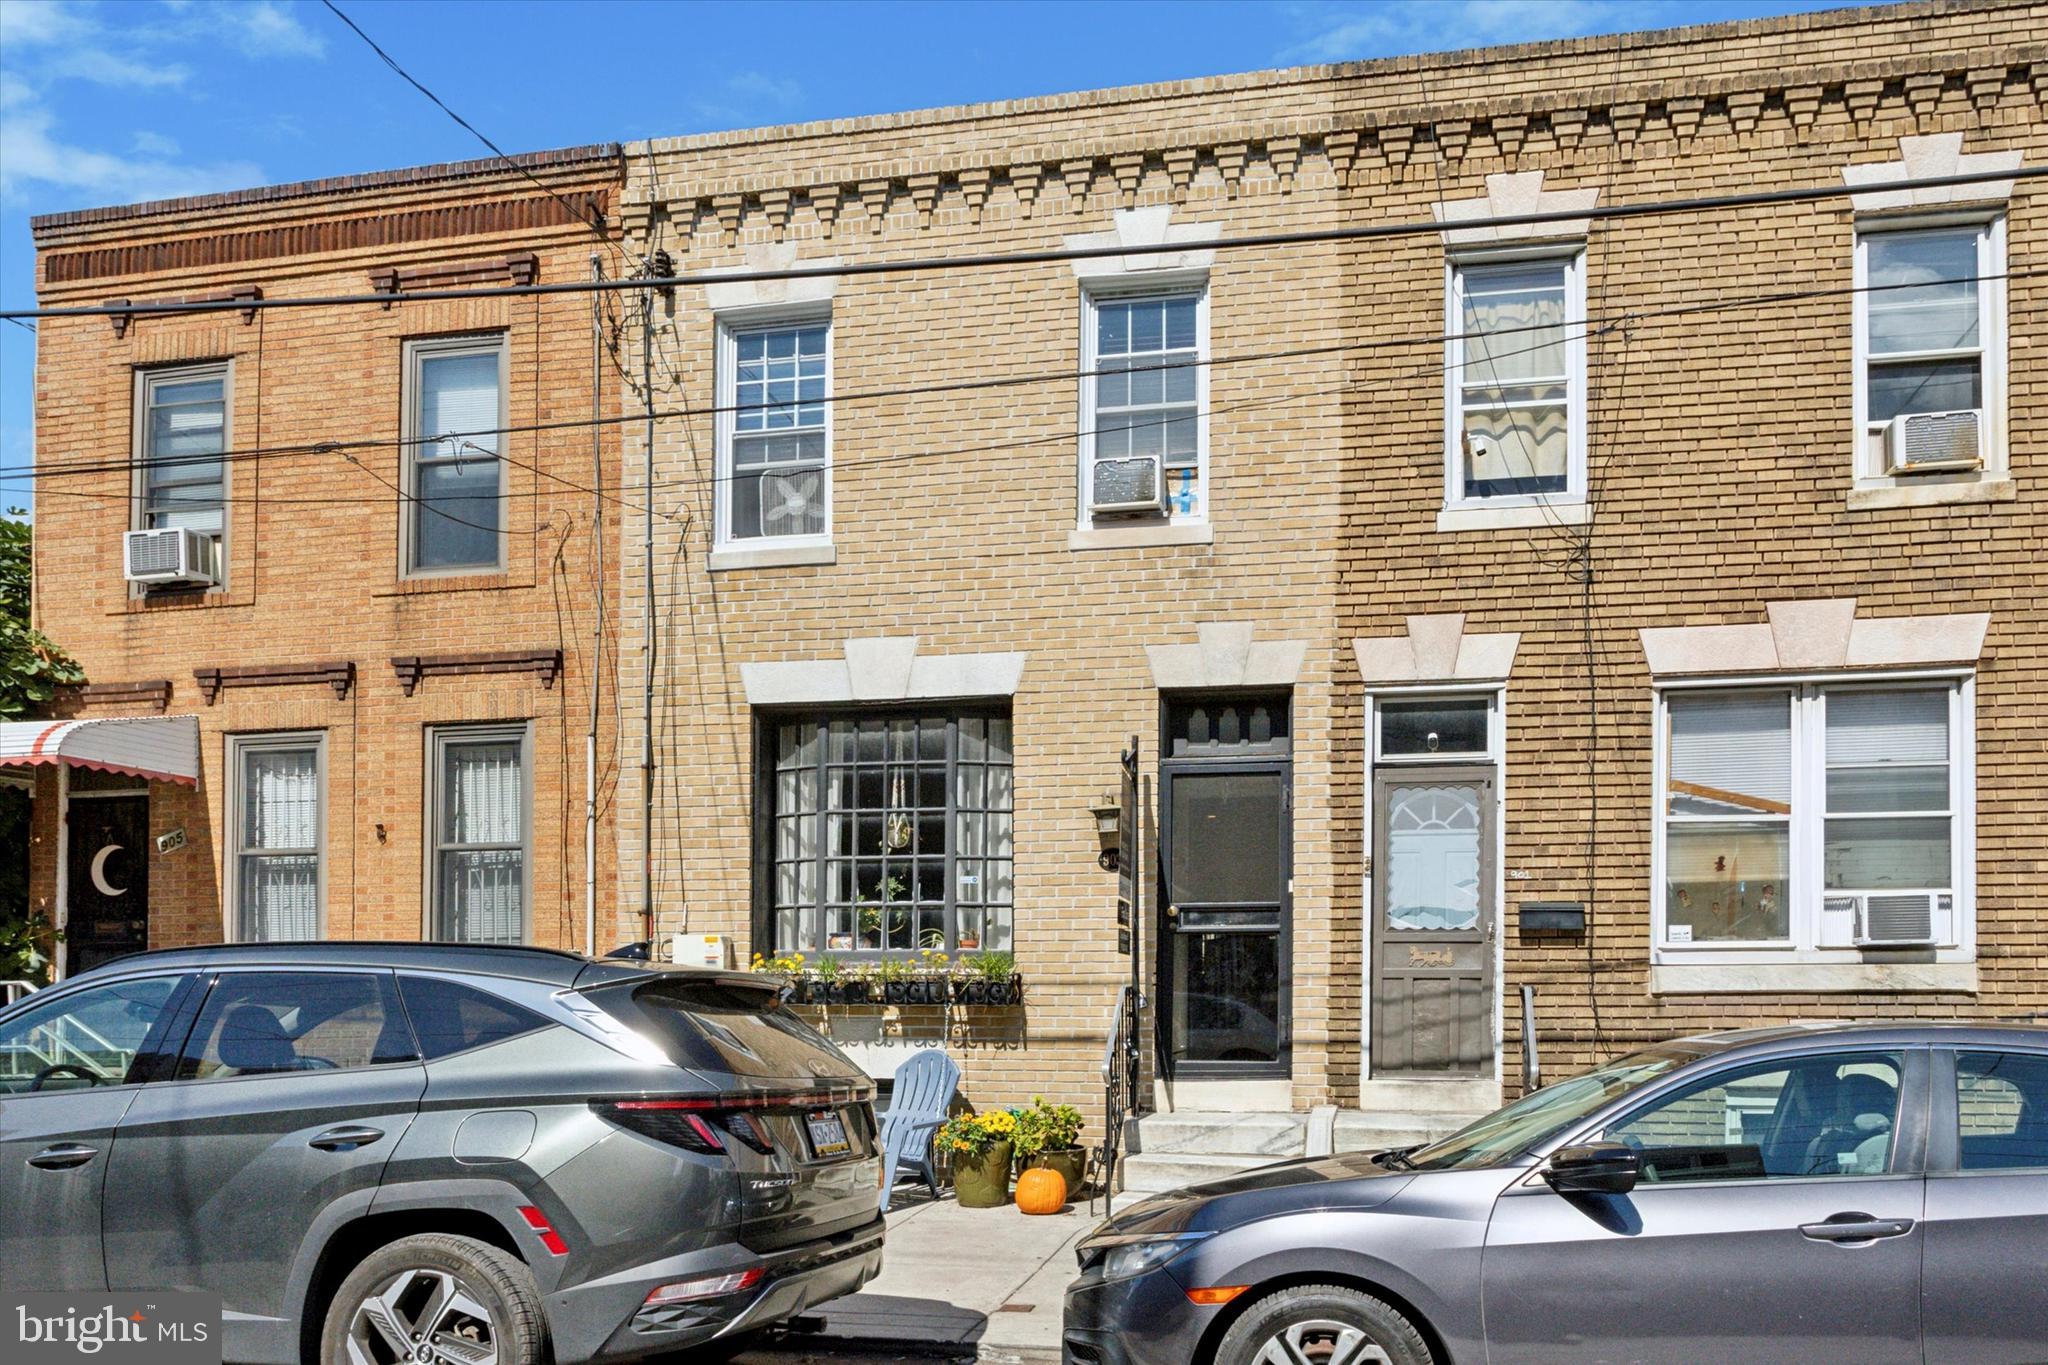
{"x":708,"y":1287}
{"x":704,"y":1123}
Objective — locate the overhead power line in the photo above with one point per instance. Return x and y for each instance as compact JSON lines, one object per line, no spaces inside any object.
{"x":1591,"y":323}
{"x":1051,"y":255}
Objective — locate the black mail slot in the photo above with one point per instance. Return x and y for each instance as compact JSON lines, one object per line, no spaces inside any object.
{"x":1557,"y":917}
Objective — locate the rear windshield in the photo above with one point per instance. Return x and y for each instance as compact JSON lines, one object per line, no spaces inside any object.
{"x":724,"y":1026}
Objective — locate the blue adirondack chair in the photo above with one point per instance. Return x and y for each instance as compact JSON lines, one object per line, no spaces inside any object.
{"x":918,"y":1102}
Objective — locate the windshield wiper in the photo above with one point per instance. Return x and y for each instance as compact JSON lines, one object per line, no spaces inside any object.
{"x":1395,"y":1158}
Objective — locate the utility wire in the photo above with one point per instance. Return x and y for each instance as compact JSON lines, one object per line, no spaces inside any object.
{"x":593,"y":224}
{"x":1592,"y":325}
{"x":1054,"y":255}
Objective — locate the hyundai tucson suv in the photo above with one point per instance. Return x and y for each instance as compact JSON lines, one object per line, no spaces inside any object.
{"x":377,"y":1152}
{"x":1875,"y":1193}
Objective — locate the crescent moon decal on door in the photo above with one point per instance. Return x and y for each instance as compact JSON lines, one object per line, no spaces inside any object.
{"x":99,"y":872}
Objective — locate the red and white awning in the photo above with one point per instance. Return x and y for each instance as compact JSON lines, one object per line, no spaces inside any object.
{"x":161,"y":748}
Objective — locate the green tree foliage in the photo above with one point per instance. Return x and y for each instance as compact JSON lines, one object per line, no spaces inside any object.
{"x":31,"y":670}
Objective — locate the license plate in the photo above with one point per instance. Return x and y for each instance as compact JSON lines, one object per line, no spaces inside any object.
{"x":828,"y":1134}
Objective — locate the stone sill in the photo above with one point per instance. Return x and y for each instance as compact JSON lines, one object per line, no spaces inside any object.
{"x":1138,"y":537}
{"x":1882,"y":497}
{"x":1799,"y":978}
{"x":771,"y":556}
{"x":1455,"y":519}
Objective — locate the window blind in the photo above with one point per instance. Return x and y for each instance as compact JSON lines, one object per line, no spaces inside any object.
{"x":1737,"y":746}
{"x":459,"y":394}
{"x":1867,"y":729}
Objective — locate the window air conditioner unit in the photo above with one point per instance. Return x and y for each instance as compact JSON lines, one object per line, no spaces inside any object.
{"x":1896,"y":919}
{"x":1129,"y":486}
{"x":174,"y":554}
{"x":1934,"y":442}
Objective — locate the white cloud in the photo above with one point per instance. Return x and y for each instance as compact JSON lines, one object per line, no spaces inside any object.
{"x":46,"y":45}
{"x":1385,"y":28}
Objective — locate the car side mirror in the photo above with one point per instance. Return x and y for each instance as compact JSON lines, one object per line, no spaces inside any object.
{"x":1594,"y":1168}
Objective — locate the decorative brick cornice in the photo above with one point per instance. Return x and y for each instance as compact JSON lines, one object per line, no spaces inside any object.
{"x":339,"y":676}
{"x":241,"y":293}
{"x":155,"y":693}
{"x":544,"y":664}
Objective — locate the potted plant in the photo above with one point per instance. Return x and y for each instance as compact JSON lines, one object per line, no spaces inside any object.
{"x":825,"y":979}
{"x":991,"y":980}
{"x":894,"y":975}
{"x":1048,"y":1136}
{"x":981,"y":1150}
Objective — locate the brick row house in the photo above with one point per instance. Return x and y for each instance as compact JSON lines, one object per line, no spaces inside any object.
{"x":1596,"y":604}
{"x":339,"y":668}
{"x":1642,"y":610}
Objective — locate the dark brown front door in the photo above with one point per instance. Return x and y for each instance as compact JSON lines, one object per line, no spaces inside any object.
{"x":107,"y":880}
{"x":1433,"y":916}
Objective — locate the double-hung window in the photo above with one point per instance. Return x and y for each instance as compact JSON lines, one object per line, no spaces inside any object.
{"x":183,"y":431}
{"x":888,"y":833}
{"x":479,"y":837}
{"x":1143,"y":393}
{"x":278,"y":820}
{"x":1814,"y":816}
{"x":455,"y":494}
{"x":775,"y":431}
{"x":1515,"y":387}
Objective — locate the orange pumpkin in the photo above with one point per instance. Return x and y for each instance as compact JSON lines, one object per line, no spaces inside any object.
{"x":1041,"y":1191}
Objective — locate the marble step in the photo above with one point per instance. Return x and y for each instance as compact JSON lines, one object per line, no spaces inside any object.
{"x":1156,"y":1173}
{"x":1275,"y":1135}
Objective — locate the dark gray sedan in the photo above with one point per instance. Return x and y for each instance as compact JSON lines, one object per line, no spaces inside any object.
{"x":1872,"y":1193}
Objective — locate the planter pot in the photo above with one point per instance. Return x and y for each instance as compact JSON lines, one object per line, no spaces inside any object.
{"x":1070,"y":1162}
{"x":971,"y":991}
{"x":848,"y":993}
{"x":928,"y":990}
{"x":897,"y":992}
{"x":799,"y":992}
{"x":983,"y":1182}
{"x":1009,"y":991}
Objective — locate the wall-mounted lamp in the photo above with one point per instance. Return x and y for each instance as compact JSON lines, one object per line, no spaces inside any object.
{"x":1109,"y":819}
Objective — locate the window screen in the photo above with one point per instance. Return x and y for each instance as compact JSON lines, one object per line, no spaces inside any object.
{"x":457,"y":493}
{"x":777,"y":450}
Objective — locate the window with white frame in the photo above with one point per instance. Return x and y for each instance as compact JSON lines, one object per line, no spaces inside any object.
{"x":775,"y":430}
{"x":477,"y":874}
{"x":455,"y":505}
{"x":1515,"y":380}
{"x":1930,"y":326}
{"x":1144,"y":439}
{"x":277,"y":819}
{"x":1814,"y":816}
{"x":182,"y":428}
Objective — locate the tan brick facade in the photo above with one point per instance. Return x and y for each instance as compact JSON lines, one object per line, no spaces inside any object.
{"x":1718,"y":452}
{"x":312,"y":546}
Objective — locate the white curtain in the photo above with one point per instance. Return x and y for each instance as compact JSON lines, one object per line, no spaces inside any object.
{"x":482,"y":890}
{"x":279,"y":891}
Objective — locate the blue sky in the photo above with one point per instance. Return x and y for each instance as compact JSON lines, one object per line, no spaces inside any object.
{"x":113,"y":101}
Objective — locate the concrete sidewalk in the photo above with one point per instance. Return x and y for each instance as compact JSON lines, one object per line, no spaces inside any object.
{"x":980,"y":1283}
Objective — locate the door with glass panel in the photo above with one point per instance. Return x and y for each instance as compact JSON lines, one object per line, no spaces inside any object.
{"x":1226,"y":855}
{"x":1433,"y":916}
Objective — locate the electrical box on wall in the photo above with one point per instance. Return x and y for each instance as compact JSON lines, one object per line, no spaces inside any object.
{"x":1554,"y":917}
{"x":701,"y":950}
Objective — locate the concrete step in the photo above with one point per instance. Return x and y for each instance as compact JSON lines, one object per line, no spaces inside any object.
{"x":1280,"y":1135}
{"x":1156,"y":1173}
{"x":1363,"y":1132}
{"x":1400,"y":1095}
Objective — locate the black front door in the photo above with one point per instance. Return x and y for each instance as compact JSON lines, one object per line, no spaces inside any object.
{"x":107,"y":880}
{"x":1226,"y":855}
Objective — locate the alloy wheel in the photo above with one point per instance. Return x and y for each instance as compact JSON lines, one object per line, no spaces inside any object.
{"x":422,"y":1317}
{"x":1320,"y":1341}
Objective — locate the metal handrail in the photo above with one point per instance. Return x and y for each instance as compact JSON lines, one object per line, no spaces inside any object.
{"x":15,"y":990}
{"x":1120,"y":1089}
{"x":1532,"y":1065}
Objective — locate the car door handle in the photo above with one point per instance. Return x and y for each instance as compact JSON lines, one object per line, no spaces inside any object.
{"x":63,"y":1156}
{"x":345,"y":1139}
{"x":1855,"y":1227}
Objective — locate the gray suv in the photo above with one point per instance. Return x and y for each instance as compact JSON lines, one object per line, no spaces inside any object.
{"x":1875,"y":1193}
{"x":432,"y":1153}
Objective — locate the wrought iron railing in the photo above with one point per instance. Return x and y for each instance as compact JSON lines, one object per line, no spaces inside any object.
{"x":1120,"y":1076}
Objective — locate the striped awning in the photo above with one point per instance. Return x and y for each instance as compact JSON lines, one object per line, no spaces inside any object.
{"x":161,"y":748}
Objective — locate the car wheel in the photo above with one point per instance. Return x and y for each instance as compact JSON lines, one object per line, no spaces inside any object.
{"x":436,"y":1299}
{"x":1322,"y":1324}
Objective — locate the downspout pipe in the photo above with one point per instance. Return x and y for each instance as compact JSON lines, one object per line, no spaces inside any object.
{"x":597,"y":633}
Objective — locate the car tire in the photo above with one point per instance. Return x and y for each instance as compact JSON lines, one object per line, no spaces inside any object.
{"x":437,"y":1285}
{"x":1321,"y":1322}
